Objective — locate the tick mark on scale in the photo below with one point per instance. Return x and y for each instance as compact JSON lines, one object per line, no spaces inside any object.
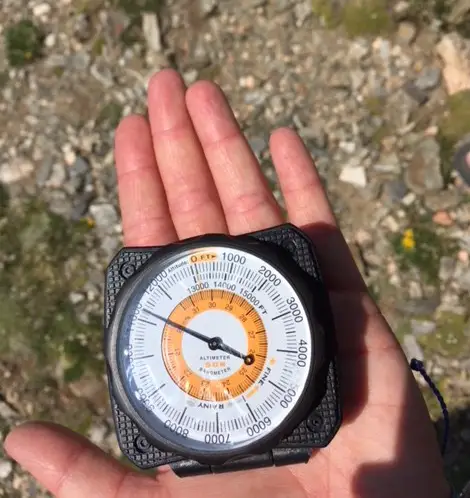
{"x":286,"y":351}
{"x":165,"y":292}
{"x":144,"y":357}
{"x":251,"y":412}
{"x":156,"y":390}
{"x":182,"y":415}
{"x":276,"y":386}
{"x":262,"y":285}
{"x":281,"y":315}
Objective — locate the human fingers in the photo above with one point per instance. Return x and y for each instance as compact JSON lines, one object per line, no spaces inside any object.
{"x":192,"y":197}
{"x":308,"y":207}
{"x":69,"y":466}
{"x":247,"y":201}
{"x":145,"y":216}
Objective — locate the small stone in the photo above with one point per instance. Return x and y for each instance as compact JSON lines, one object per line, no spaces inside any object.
{"x":348,"y":147}
{"x":419,"y":307}
{"x":442,"y":200}
{"x":340,"y":80}
{"x":258,"y":145}
{"x":408,"y":199}
{"x":415,"y":290}
{"x":102,"y":73}
{"x":464,"y":280}
{"x":83,"y":28}
{"x":302,"y":12}
{"x":446,"y":268}
{"x":80,"y":175}
{"x":50,"y":40}
{"x":58,"y":202}
{"x":422,"y":327}
{"x":69,"y":154}
{"x":79,"y":61}
{"x":315,"y":135}
{"x":80,"y":167}
{"x":391,"y":224}
{"x":401,"y":10}
{"x":17,"y":170}
{"x":412,"y":348}
{"x":429,"y":79}
{"x":76,"y":297}
{"x":255,"y":98}
{"x":57,"y":177}
{"x":442,"y":218}
{"x":388,"y":163}
{"x":359,"y":49}
{"x":6,"y":412}
{"x":363,"y":238}
{"x":6,"y":468}
{"x":247,"y":81}
{"x":151,"y":31}
{"x":415,"y":92}
{"x":463,"y":256}
{"x":41,"y":10}
{"x":80,"y":205}
{"x":400,"y":106}
{"x":208,"y":7}
{"x":358,"y":78}
{"x":105,"y":216}
{"x":44,"y":171}
{"x":97,"y":433}
{"x":394,"y":191}
{"x":354,"y":175}
{"x":190,"y":76}
{"x":454,"y":51}
{"x":406,"y":33}
{"x":424,"y":172}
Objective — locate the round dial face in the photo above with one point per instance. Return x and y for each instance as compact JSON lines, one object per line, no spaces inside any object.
{"x":214,"y":350}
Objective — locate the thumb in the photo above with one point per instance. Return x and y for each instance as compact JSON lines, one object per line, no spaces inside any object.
{"x":68,"y":465}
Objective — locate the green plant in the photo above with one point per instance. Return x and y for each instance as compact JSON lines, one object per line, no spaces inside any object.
{"x":359,"y":17}
{"x":23,"y":42}
{"x":453,"y":126}
{"x":366,"y":17}
{"x":43,"y":258}
{"x":421,"y":247}
{"x":110,"y":115}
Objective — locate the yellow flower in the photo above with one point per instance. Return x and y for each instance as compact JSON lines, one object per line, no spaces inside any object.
{"x":408,"y":241}
{"x":90,"y":222}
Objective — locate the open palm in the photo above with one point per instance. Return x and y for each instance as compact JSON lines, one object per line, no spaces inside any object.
{"x":188,"y":170}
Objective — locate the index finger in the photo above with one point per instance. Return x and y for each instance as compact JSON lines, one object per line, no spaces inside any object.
{"x":145,"y":214}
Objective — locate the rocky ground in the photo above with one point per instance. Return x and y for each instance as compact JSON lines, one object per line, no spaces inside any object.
{"x":380,"y":91}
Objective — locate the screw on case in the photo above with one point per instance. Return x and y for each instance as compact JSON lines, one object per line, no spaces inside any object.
{"x":314,"y":422}
{"x":142,"y":444}
{"x":127,"y":270}
{"x":290,"y":245}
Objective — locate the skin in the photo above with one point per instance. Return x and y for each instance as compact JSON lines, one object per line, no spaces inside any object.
{"x":188,"y":170}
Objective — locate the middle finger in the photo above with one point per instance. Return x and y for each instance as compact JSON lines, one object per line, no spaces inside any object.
{"x":248,"y":202}
{"x":192,"y":197}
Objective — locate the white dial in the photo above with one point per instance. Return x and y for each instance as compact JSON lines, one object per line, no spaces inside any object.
{"x":216,"y":349}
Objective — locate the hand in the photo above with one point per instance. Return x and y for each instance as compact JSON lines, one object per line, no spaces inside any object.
{"x":188,"y":171}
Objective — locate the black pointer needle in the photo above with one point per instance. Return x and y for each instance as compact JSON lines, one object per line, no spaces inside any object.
{"x":171,"y":323}
{"x":214,"y":343}
{"x":218,"y":343}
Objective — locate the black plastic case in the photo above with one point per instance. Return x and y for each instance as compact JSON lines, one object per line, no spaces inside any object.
{"x":316,"y":430}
